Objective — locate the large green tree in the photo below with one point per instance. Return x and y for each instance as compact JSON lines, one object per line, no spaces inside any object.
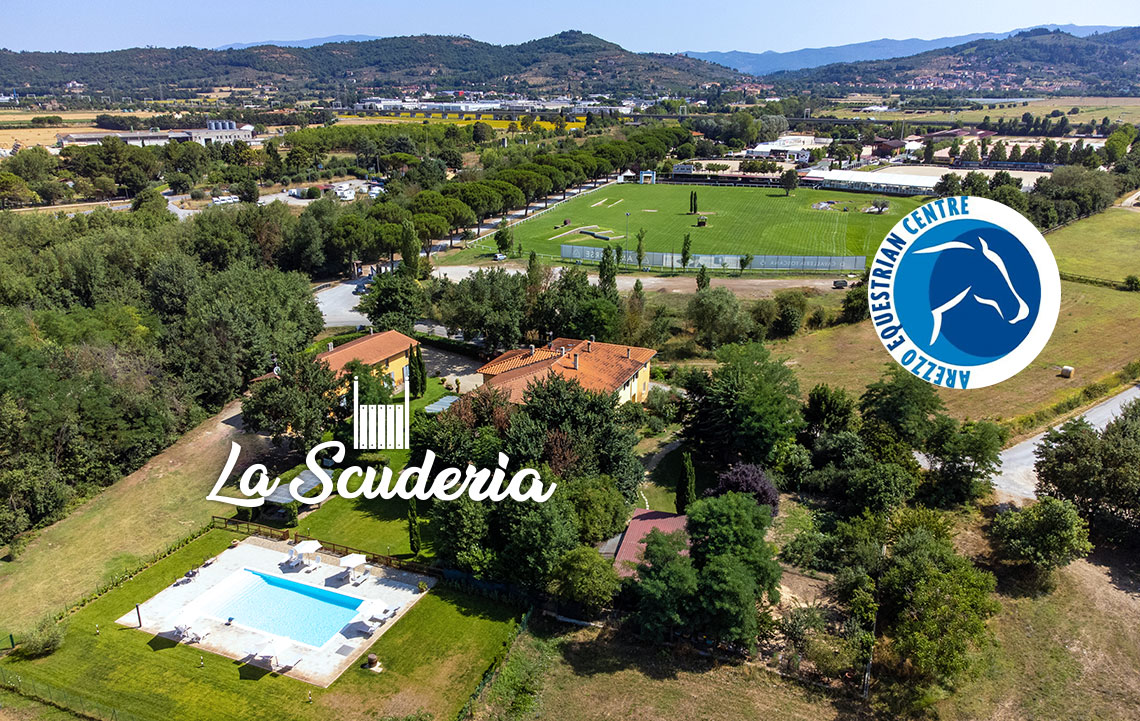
{"x":295,"y":408}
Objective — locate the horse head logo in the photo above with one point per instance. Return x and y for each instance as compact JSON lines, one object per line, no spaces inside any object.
{"x":988,"y":284}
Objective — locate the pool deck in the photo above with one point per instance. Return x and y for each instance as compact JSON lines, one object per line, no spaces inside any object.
{"x":176,"y":606}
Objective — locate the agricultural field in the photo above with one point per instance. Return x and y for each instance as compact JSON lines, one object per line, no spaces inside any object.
{"x":760,"y":221}
{"x":1106,"y":245}
{"x":73,"y":121}
{"x":1097,"y":332}
{"x":1091,"y":108}
{"x":433,"y":659}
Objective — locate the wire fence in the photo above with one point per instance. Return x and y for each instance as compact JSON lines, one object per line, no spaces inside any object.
{"x":494,"y":668}
{"x":61,"y":698}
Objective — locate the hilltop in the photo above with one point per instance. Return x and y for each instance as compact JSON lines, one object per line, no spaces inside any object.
{"x":569,"y":61}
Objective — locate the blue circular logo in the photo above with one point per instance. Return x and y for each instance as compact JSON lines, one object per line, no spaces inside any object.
{"x":964,"y":292}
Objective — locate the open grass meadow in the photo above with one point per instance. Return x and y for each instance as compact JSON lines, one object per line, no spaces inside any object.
{"x":1098,"y":332}
{"x":592,"y":674}
{"x":165,"y":501}
{"x":1107,"y":245}
{"x":760,"y":221}
{"x":433,"y":658}
{"x":118,"y":529}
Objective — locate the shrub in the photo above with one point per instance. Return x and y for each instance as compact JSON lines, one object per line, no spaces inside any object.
{"x":197,"y":194}
{"x":804,"y":549}
{"x":818,"y":318}
{"x":656,"y":425}
{"x":663,"y":405}
{"x":751,"y":480}
{"x":313,"y":193}
{"x":291,"y":512}
{"x":1132,"y":283}
{"x":44,"y":640}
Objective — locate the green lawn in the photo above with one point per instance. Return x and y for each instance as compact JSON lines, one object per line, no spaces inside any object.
{"x":660,"y":488}
{"x":1107,"y":245}
{"x":760,"y":221}
{"x":433,"y":657}
{"x":375,"y":525}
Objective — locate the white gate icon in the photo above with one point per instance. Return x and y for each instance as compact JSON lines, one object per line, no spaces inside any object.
{"x":380,"y":426}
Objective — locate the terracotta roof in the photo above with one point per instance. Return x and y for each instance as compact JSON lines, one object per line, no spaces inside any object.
{"x":602,"y":367}
{"x":369,"y":350}
{"x":515,"y":359}
{"x":633,"y":541}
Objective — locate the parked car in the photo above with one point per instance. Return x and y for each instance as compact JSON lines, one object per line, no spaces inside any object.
{"x":839,"y":284}
{"x":500,"y":256}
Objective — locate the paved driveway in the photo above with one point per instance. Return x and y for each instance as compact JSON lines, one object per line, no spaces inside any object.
{"x":338,"y":305}
{"x":1017,"y":477}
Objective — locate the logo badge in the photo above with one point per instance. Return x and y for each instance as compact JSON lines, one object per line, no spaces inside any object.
{"x":964,"y":292}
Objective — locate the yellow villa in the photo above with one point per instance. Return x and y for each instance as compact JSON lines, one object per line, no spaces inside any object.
{"x":388,"y":353}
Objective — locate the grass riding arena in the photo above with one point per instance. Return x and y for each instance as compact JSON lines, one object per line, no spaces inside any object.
{"x":760,"y":221}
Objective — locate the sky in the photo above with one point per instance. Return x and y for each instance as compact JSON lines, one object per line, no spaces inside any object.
{"x":642,"y":26}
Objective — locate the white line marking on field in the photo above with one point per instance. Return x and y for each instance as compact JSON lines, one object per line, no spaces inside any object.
{"x":615,"y":202}
{"x":573,"y":230}
{"x":599,"y":202}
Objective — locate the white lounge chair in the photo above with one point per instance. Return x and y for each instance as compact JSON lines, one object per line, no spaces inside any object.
{"x":362,"y":577}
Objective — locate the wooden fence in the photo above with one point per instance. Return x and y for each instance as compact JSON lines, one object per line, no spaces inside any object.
{"x":338,"y":549}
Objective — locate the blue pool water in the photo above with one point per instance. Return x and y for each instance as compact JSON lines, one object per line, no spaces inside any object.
{"x":284,"y":608}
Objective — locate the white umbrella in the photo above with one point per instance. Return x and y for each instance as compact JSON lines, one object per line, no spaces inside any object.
{"x":310,"y":546}
{"x":353,"y":560}
{"x":274,"y":648}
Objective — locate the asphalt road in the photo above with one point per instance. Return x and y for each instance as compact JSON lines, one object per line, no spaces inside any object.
{"x":1017,"y":477}
{"x":338,"y":305}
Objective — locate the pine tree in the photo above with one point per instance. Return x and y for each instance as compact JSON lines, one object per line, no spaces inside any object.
{"x":686,"y":484}
{"x":413,"y":526}
{"x":702,"y":278}
{"x":695,"y":208}
{"x":686,"y":251}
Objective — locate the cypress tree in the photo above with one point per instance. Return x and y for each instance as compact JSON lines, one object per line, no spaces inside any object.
{"x":702,"y":278}
{"x":686,"y":484}
{"x":413,"y":527}
{"x":420,"y":374}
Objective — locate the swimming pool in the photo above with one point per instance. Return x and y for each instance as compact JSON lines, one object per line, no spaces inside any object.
{"x":282,"y":607}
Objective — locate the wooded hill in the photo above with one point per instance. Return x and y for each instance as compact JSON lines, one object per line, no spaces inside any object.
{"x":569,"y":61}
{"x":1103,"y":64}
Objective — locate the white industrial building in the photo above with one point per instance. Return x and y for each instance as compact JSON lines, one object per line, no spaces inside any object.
{"x":792,"y":148}
{"x":216,"y":131}
{"x":895,"y":184}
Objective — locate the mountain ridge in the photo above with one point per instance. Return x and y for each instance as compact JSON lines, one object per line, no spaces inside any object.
{"x":1034,"y":60}
{"x":570,"y":61}
{"x":771,"y":61}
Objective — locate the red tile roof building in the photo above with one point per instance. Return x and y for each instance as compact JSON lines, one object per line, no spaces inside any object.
{"x":633,"y":540}
{"x":387,"y":352}
{"x":598,"y":367}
